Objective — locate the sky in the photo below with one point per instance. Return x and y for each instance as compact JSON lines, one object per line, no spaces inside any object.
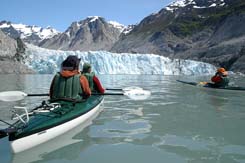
{"x":59,"y":14}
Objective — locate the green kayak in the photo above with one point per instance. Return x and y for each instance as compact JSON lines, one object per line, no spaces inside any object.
{"x":51,"y":120}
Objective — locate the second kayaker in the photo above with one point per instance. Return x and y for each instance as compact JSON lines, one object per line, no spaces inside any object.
{"x":220,"y":78}
{"x":69,"y":83}
{"x":94,"y":82}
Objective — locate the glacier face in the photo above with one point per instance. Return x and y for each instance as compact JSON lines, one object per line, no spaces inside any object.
{"x":48,"y":61}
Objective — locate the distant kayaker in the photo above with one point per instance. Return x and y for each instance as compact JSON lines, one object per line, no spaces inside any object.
{"x":220,"y":78}
{"x":94,"y":82}
{"x":69,"y":83}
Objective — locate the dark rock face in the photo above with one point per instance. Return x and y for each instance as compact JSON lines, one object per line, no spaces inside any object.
{"x":210,"y":31}
{"x":12,"y":54}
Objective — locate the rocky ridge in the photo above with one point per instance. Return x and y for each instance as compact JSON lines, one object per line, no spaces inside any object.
{"x":93,"y":33}
{"x":12,"y":54}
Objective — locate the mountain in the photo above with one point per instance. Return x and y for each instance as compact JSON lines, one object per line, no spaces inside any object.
{"x":29,"y":34}
{"x":12,"y":55}
{"x":211,"y":31}
{"x":93,"y":33}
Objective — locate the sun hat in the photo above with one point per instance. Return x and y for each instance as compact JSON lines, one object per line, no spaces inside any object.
{"x":86,"y":67}
{"x":223,"y":71}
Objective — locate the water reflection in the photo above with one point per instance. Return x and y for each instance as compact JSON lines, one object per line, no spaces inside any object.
{"x":199,"y":149}
{"x":217,"y":99}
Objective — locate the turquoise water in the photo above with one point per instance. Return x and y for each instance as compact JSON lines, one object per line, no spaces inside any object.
{"x":178,"y":123}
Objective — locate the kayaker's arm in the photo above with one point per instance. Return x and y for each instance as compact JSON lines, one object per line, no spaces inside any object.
{"x":85,"y":86}
{"x":98,"y":85}
{"x":51,"y":88}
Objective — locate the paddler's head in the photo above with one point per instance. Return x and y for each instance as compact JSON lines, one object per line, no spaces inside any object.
{"x":222,"y":71}
{"x":86,"y":68}
{"x":71,"y":63}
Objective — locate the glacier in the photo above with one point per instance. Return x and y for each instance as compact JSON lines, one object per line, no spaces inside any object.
{"x":45,"y":61}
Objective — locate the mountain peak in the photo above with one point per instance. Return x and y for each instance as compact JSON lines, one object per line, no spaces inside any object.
{"x":88,"y":20}
{"x":94,"y":18}
{"x":195,"y":4}
{"x":4,"y":22}
{"x":92,"y":33}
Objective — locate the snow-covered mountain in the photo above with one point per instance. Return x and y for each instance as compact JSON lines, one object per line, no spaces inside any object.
{"x":204,"y":30}
{"x":92,"y":33}
{"x":103,"y":62}
{"x":30,"y":34}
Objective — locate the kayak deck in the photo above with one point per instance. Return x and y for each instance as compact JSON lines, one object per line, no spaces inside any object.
{"x":186,"y":82}
{"x":63,"y":112}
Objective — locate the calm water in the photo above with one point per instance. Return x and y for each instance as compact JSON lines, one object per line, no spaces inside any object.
{"x":178,"y":123}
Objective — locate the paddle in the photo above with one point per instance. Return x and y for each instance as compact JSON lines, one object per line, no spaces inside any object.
{"x":202,"y":83}
{"x":124,"y":89}
{"x":114,"y":89}
{"x":5,"y":132}
{"x":135,"y":94}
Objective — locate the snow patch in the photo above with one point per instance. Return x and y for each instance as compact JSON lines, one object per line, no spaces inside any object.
{"x":183,"y":3}
{"x":179,"y":4}
{"x":117,"y":25}
{"x":93,"y":18}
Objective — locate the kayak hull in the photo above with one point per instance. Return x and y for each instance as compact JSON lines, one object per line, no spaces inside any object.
{"x":210,"y":85}
{"x":35,"y":139}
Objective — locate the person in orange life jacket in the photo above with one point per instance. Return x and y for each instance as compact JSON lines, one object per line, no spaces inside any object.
{"x":69,"y":82}
{"x":220,"y":78}
{"x":94,"y":82}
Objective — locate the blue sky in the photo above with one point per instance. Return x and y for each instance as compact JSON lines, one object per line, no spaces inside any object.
{"x":59,"y":14}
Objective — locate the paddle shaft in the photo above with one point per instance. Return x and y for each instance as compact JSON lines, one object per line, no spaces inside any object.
{"x":107,"y":94}
{"x":42,"y":94}
{"x":45,"y":94}
{"x":109,"y":89}
{"x":114,"y":89}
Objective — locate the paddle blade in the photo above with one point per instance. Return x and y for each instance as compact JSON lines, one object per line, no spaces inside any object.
{"x":202,"y":83}
{"x":138,"y":94}
{"x":6,"y":132}
{"x":2,"y":134}
{"x":12,"y":95}
{"x":131,"y":88}
{"x":123,"y":89}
